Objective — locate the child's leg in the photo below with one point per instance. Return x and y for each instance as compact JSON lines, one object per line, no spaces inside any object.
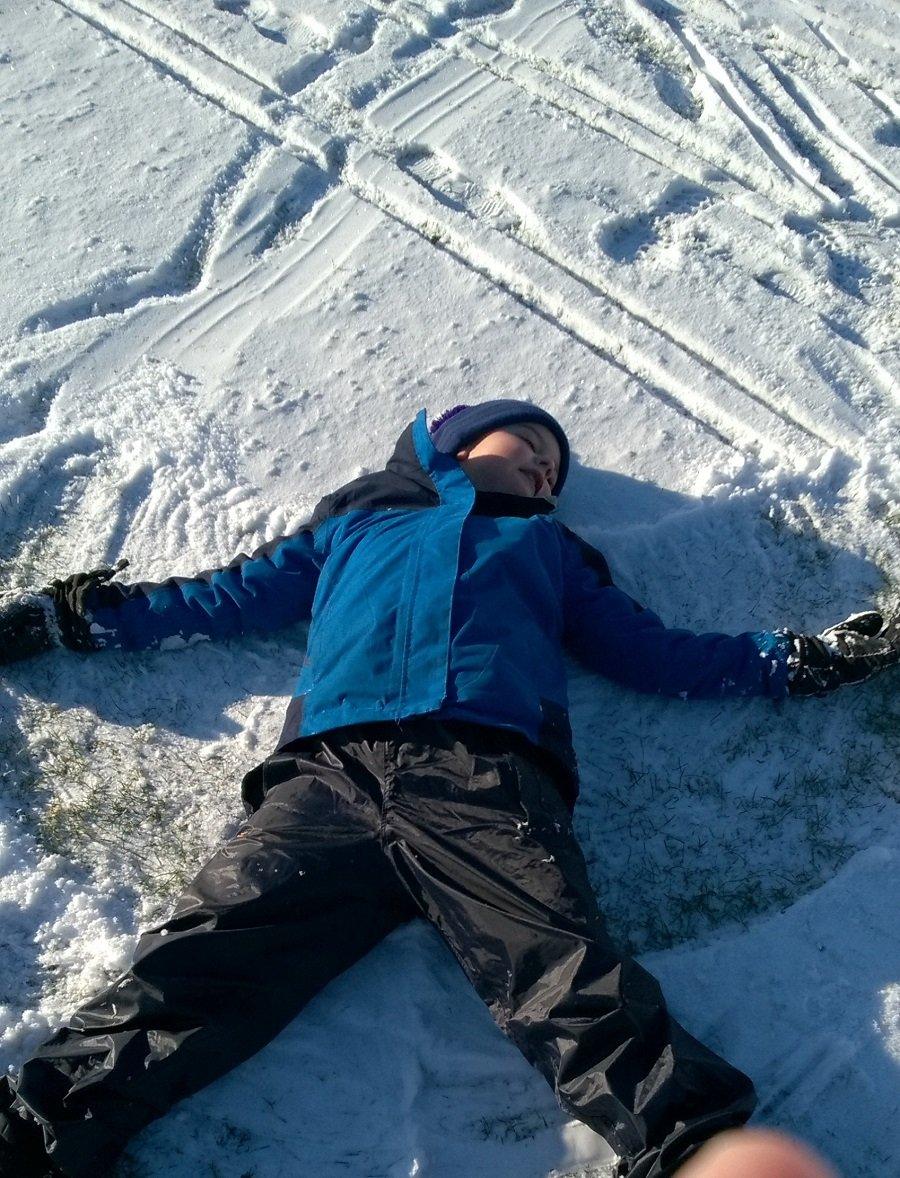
{"x":299,"y":895}
{"x":490,"y":857}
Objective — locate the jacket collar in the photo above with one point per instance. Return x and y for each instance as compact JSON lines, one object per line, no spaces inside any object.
{"x":405,"y":464}
{"x":452,"y":483}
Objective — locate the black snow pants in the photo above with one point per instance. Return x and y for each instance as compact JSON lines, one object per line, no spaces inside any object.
{"x":357,"y":831}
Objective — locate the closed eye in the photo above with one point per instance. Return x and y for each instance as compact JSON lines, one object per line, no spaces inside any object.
{"x":537,"y":447}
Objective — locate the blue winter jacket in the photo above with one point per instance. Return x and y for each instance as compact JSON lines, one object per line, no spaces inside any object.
{"x":426,"y":597}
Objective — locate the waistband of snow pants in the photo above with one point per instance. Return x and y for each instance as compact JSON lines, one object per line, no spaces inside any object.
{"x":479,"y":739}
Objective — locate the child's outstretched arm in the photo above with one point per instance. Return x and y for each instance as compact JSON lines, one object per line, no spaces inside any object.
{"x":271,"y":588}
{"x":616,"y":636}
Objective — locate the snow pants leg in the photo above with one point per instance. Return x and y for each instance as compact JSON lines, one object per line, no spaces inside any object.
{"x":484,"y":843}
{"x":358,"y":831}
{"x":300,"y":894}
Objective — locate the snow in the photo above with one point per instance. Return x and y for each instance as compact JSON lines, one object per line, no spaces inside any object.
{"x":245,"y":241}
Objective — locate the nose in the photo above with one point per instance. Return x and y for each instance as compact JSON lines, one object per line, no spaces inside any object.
{"x":549,"y":468}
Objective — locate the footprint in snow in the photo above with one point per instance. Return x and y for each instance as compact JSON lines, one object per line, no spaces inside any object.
{"x":624,"y":238}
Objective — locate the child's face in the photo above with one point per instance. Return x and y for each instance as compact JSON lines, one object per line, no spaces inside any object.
{"x":521,"y":459}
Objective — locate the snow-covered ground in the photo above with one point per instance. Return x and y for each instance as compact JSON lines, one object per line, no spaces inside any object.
{"x":243,"y":243}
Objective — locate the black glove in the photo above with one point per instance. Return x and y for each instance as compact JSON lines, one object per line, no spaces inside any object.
{"x":34,"y":621}
{"x":850,"y":652}
{"x":68,"y":598}
{"x":27,"y":625}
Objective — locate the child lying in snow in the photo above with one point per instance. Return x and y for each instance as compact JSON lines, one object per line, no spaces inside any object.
{"x":425,"y":768}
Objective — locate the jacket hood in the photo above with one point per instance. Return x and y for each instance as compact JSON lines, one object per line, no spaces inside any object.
{"x":404,"y":462}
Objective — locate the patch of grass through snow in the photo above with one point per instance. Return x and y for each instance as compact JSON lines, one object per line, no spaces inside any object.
{"x":677,"y":852}
{"x":116,"y":801}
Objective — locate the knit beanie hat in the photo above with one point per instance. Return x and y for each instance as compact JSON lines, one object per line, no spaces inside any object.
{"x":458,"y":426}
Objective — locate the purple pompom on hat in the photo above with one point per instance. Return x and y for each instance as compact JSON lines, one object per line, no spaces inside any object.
{"x":456,"y":427}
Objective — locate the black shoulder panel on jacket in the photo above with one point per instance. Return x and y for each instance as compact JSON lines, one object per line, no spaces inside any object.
{"x":594,"y":559}
{"x":402,"y":484}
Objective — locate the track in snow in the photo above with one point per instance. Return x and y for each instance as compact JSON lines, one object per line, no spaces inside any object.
{"x":176,"y":275}
{"x":196,"y":66}
{"x":607,"y":321}
{"x":585,"y":301}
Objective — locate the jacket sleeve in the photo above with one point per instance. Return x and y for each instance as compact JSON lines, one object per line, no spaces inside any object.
{"x":272,"y":587}
{"x":611,"y":633}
